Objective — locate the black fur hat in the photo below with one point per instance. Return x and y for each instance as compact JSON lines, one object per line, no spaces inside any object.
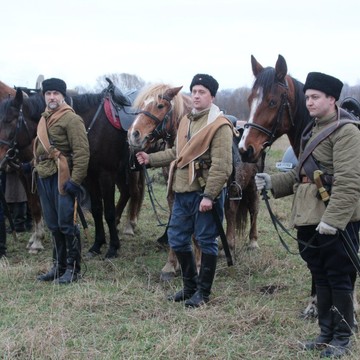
{"x":205,"y":80}
{"x":54,"y":84}
{"x":325,"y":83}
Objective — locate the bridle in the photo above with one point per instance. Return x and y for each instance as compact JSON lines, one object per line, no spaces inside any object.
{"x":160,"y":130}
{"x":14,"y":147}
{"x":284,"y":105}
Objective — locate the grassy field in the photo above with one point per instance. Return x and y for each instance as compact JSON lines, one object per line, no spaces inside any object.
{"x":119,"y":309}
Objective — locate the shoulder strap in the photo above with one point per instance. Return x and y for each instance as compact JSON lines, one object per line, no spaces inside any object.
{"x":318,"y":139}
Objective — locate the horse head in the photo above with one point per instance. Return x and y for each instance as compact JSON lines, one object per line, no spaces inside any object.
{"x":160,"y":111}
{"x":16,"y":132}
{"x":271,"y":103}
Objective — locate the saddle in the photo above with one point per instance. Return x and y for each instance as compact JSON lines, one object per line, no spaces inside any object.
{"x":118,"y":107}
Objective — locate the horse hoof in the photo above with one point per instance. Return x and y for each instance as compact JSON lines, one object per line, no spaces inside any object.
{"x":167,"y":276}
{"x":34,"y":251}
{"x":111,"y":254}
{"x":92,"y":254}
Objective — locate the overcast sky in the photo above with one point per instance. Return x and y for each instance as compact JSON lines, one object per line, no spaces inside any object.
{"x":172,"y":40}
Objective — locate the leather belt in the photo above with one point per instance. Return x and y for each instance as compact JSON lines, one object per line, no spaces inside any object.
{"x":305,"y":180}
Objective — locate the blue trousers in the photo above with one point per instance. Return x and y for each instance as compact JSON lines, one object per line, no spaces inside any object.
{"x":58,"y":210}
{"x":186,"y":220}
{"x":328,"y":262}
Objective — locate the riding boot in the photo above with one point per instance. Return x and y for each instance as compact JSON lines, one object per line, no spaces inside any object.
{"x":59,"y":258}
{"x":343,"y":308}
{"x":325,"y":319}
{"x":72,"y":272}
{"x":189,"y":275}
{"x":2,"y":237}
{"x":205,"y":281}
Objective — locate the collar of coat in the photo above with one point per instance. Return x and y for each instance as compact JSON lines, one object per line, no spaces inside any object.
{"x":189,"y":150}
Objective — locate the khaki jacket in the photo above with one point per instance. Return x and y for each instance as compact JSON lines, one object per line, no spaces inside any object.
{"x":337,"y":155}
{"x":68,"y":135}
{"x":218,"y":159}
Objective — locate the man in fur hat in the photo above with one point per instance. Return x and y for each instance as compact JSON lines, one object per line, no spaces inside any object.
{"x":200,"y":165}
{"x":318,"y":225}
{"x":61,"y":161}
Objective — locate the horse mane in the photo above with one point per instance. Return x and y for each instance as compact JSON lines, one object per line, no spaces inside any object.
{"x":82,"y":103}
{"x":154,"y":91}
{"x":34,"y":106}
{"x":300,"y":113}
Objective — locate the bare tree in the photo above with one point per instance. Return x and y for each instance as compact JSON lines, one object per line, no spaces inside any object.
{"x":126,"y":82}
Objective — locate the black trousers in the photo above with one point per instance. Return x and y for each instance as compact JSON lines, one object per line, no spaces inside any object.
{"x":326,"y":257}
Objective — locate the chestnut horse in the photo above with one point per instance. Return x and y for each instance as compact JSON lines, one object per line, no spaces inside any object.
{"x":161,"y":109}
{"x":23,"y":155}
{"x":18,"y":123}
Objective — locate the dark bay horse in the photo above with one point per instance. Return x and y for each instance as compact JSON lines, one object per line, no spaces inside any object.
{"x":161,"y":109}
{"x":23,"y":154}
{"x":108,"y":153}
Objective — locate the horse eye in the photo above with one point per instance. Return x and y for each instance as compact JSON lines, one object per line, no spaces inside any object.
{"x":160,"y":106}
{"x":272,"y":103}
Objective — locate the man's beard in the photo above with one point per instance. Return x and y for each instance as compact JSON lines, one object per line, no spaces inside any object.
{"x":53,"y":105}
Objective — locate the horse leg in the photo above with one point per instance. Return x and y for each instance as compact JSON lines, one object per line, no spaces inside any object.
{"x":121,"y":184}
{"x":107,"y":181}
{"x":137,"y":191}
{"x":197,"y":252}
{"x":97,"y":213}
{"x":252,"y":199}
{"x":230,"y":208}
{"x":171,"y":268}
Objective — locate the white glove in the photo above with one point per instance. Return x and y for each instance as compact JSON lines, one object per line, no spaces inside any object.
{"x":325,"y":229}
{"x":263,"y":181}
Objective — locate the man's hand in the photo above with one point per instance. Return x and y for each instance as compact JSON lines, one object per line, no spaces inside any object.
{"x":142,"y":157}
{"x":263,"y":181}
{"x":72,"y":189}
{"x":206,"y":204}
{"x":325,"y":229}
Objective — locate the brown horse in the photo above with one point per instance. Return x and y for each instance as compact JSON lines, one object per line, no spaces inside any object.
{"x":25,"y":154}
{"x":162,"y":108}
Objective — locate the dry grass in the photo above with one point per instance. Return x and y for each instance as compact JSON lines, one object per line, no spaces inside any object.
{"x":119,"y":310}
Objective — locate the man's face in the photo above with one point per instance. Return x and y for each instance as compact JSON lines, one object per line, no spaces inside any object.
{"x":53,"y":99}
{"x":201,"y":97}
{"x":318,"y":103}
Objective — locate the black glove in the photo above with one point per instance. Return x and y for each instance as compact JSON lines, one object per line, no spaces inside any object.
{"x":72,"y":189}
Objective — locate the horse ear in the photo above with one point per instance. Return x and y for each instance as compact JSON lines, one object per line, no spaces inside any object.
{"x":19,"y":98}
{"x":281,"y":69}
{"x":256,"y":67}
{"x":172,"y":92}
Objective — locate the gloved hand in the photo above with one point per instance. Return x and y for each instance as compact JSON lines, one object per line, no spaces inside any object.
{"x":72,"y":189}
{"x":263,"y":181}
{"x":26,"y":167}
{"x":325,"y":229}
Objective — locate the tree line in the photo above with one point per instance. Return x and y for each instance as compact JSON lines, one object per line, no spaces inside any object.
{"x":231,"y":101}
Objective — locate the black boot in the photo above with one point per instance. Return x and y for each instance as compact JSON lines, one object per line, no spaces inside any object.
{"x":206,"y":278}
{"x":59,"y":258}
{"x":2,"y":237}
{"x":325,"y":319}
{"x":189,"y":275}
{"x":72,"y":272}
{"x":343,"y":309}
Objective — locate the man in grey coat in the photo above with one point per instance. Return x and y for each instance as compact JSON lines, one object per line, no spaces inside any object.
{"x":318,"y":223}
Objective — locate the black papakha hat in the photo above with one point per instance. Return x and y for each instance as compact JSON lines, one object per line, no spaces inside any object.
{"x":328,"y":84}
{"x":54,"y":84}
{"x":205,"y":80}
